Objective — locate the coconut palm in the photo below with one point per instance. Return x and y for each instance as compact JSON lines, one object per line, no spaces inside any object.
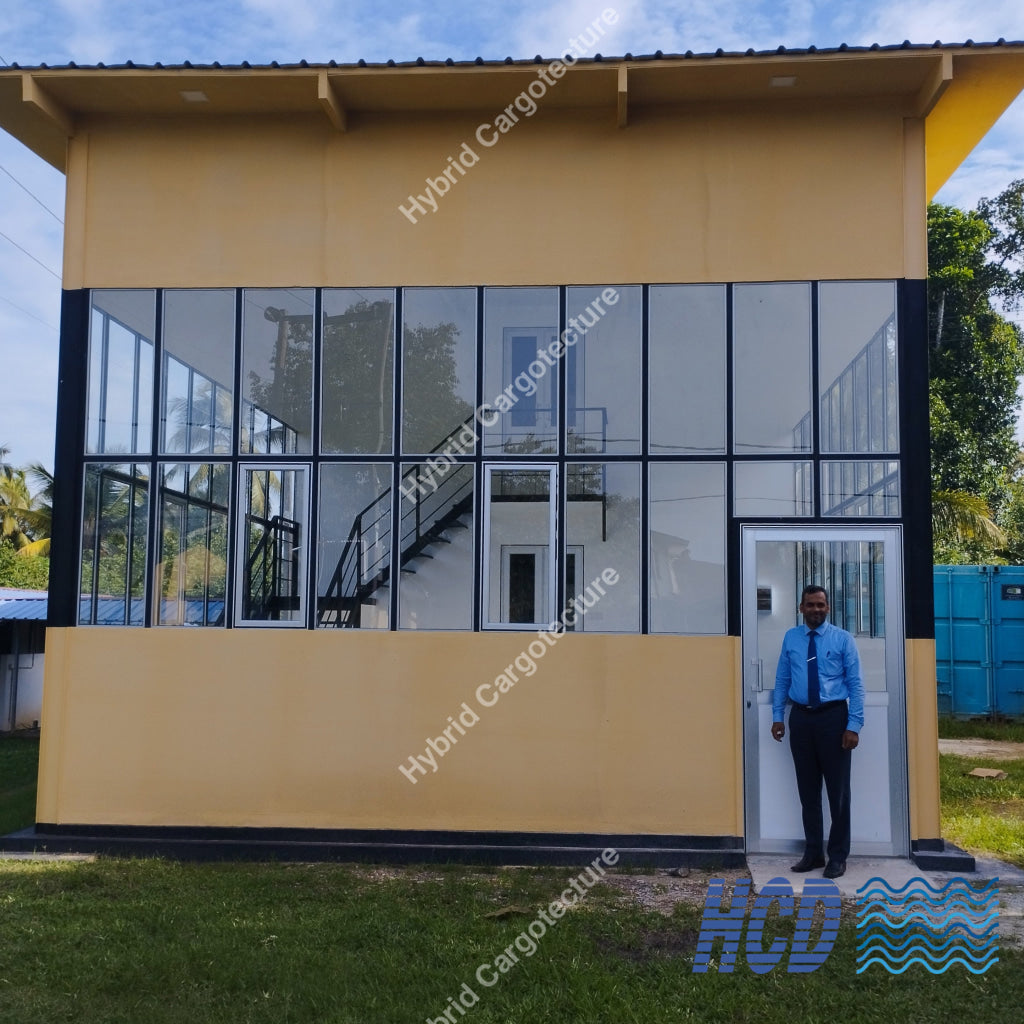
{"x":15,"y":501}
{"x":38,"y":516}
{"x":961,"y":518}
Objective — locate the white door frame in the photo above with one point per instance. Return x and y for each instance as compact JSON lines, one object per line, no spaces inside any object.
{"x":759,"y":678}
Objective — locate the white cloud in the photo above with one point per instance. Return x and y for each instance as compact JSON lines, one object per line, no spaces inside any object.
{"x":952,"y":21}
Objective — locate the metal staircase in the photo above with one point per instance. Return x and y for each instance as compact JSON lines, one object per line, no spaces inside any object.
{"x":433,"y":504}
{"x":272,"y":569}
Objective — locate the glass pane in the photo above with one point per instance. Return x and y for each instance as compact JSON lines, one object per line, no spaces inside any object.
{"x":120,"y":403}
{"x":520,"y":386}
{"x":857,"y":365}
{"x":603,"y":532}
{"x":359,"y":369}
{"x":199,"y":369}
{"x":772,"y":367}
{"x":773,"y":489}
{"x":602,"y":370}
{"x":272,"y":546}
{"x":354,"y":546}
{"x":191,"y":569}
{"x":436,"y":581}
{"x":277,"y":370}
{"x":853,"y":573}
{"x":687,"y":368}
{"x":114,"y":539}
{"x":860,"y":488}
{"x":438,"y":368}
{"x":518,"y":563}
{"x":687,"y":542}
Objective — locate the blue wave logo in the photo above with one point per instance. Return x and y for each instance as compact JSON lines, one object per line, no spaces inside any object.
{"x":919,"y":924}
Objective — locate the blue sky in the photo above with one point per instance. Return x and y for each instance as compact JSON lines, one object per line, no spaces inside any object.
{"x":87,"y":31}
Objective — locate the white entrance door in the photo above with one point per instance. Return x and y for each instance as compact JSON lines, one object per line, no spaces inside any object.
{"x":861,"y":568}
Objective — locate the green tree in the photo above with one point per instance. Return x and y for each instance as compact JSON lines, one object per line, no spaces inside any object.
{"x":963,"y":529}
{"x":15,"y":503}
{"x":20,"y":572}
{"x":38,"y":516}
{"x":976,"y":357}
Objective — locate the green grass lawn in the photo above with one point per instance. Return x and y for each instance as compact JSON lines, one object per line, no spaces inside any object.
{"x":19,"y":760}
{"x":154,"y":941}
{"x":985,"y":816}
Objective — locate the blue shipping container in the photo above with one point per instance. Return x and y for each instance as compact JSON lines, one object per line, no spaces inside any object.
{"x":979,"y":639}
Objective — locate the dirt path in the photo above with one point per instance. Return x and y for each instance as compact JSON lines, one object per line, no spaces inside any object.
{"x":996,"y":750}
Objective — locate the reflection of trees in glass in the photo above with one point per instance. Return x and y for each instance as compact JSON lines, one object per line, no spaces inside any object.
{"x":529,"y":444}
{"x":114,"y":532}
{"x":194,"y":532}
{"x":200,"y":423}
{"x":432,"y":407}
{"x":286,"y":393}
{"x":358,"y":378}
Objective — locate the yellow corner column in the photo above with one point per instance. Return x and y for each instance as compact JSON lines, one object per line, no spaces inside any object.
{"x":923,"y":740}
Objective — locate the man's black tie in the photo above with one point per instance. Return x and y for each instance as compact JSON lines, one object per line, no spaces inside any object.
{"x":813,"y":688}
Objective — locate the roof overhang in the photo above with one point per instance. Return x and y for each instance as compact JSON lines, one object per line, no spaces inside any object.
{"x":961,"y":91}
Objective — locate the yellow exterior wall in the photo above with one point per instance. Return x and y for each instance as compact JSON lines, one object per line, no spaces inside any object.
{"x":285,"y":728}
{"x":720,"y":193}
{"x":922,"y":739}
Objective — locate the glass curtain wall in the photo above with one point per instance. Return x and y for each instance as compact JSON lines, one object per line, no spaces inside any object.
{"x":558,"y":446}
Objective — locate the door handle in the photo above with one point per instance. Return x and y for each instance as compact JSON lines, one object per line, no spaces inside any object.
{"x":756,"y":680}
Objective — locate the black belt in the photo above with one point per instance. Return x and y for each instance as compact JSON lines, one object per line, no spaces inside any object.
{"x":814,"y":708}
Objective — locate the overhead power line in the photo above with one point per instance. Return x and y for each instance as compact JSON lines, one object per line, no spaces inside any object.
{"x":27,"y":312}
{"x":49,"y":270}
{"x":24,"y":188}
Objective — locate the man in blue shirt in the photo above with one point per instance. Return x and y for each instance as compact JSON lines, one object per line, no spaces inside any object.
{"x":819,"y":674}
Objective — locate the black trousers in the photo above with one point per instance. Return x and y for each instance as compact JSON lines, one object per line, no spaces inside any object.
{"x":816,"y":741}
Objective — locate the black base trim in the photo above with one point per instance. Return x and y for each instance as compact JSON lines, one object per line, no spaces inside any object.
{"x":378,"y":845}
{"x":939,"y":855}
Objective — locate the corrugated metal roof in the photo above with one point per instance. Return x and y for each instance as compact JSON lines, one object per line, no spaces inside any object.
{"x":23,"y":609}
{"x":780,"y":51}
{"x":31,"y":605}
{"x":16,"y":594}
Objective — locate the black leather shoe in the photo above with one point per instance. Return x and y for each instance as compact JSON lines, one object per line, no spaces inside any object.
{"x":806,"y":863}
{"x":834,"y":869}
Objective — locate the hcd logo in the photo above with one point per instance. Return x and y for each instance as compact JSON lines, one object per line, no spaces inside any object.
{"x":728,"y":925}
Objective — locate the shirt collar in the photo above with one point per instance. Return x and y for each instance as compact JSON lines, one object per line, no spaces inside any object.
{"x":820,"y":631}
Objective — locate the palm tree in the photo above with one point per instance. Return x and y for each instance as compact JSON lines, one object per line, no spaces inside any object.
{"x":961,"y":518}
{"x":38,"y":517}
{"x":15,"y":500}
